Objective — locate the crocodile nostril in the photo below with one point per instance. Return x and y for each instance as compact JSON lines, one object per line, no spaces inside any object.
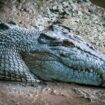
{"x":68,"y":43}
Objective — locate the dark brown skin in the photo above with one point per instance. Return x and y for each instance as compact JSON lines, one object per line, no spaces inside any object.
{"x":100,"y":3}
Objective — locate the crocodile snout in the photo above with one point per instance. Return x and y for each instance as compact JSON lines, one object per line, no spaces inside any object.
{"x":68,"y":58}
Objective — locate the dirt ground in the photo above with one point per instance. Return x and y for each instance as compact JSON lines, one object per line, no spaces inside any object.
{"x":84,"y":19}
{"x":50,"y":94}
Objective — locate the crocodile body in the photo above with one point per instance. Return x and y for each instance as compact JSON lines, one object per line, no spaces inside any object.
{"x":52,"y":55}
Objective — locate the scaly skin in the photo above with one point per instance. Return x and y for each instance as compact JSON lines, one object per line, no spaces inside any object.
{"x":51,"y":55}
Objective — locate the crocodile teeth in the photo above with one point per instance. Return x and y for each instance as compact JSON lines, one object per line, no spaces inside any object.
{"x":79,"y":70}
{"x":84,"y":70}
{"x":97,"y":74}
{"x":91,"y":70}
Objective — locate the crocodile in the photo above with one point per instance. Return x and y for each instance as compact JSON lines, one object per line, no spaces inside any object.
{"x":54,"y":54}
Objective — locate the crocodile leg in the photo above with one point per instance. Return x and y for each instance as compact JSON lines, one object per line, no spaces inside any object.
{"x":13,"y":68}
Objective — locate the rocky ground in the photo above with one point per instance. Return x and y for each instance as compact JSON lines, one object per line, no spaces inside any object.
{"x":84,"y":19}
{"x":50,"y":94}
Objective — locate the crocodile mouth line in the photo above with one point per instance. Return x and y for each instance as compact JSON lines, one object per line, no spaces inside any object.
{"x":41,"y":56}
{"x":86,"y":70}
{"x":79,"y":74}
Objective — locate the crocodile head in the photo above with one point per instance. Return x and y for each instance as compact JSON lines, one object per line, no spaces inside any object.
{"x":55,"y":54}
{"x":64,"y":57}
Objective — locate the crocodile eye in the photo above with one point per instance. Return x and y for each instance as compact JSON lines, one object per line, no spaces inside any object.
{"x":45,"y":39}
{"x":68,"y":43}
